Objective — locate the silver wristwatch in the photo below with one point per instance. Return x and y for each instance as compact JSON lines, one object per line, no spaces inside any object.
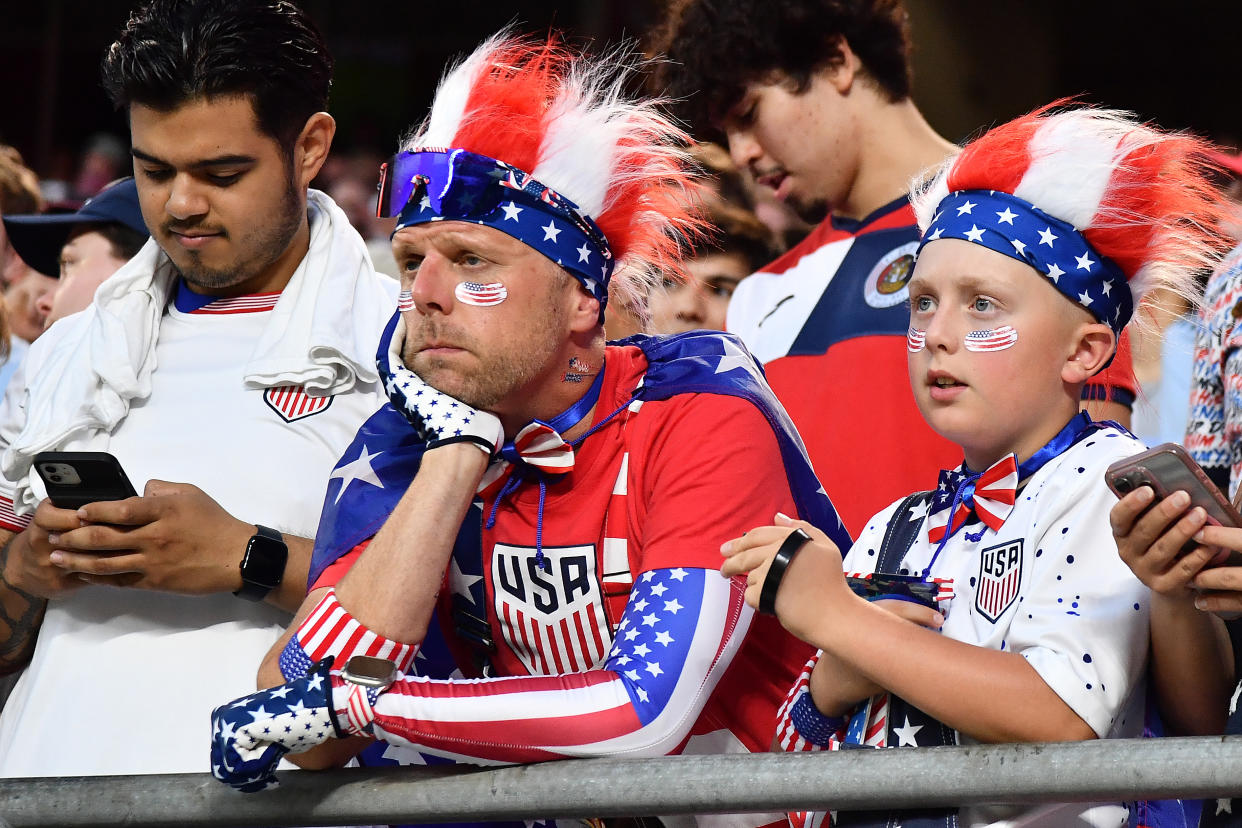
{"x":370,"y":672}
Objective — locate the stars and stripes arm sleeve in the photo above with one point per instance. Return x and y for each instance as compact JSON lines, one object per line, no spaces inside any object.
{"x":678,"y":634}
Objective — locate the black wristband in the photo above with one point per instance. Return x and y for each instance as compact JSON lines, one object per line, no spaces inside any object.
{"x":436,"y":442}
{"x":776,"y":570}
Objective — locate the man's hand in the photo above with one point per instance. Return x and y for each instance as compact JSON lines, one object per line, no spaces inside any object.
{"x":174,"y":538}
{"x":440,"y":419}
{"x":28,"y":563}
{"x":250,"y":735}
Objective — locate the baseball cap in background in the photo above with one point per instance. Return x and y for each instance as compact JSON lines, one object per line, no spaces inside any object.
{"x":39,"y":238}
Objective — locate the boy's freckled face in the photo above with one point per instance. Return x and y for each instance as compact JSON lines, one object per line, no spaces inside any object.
{"x":997,"y":401}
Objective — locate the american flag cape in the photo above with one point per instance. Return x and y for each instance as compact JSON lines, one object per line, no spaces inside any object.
{"x":358,"y":500}
{"x":688,"y":363}
{"x":691,"y":363}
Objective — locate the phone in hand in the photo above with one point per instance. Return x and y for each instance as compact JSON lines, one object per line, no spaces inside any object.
{"x":75,"y":478}
{"x":1167,"y":468}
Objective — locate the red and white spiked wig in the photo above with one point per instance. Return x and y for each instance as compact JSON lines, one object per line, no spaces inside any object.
{"x":565,"y":121}
{"x":1089,"y":197}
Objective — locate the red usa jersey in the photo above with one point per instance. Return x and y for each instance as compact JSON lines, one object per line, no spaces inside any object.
{"x":622,"y":638}
{"x":658,"y":488}
{"x":828,"y":319}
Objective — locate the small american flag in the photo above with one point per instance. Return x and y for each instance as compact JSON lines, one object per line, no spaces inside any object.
{"x":473,"y":293}
{"x":997,"y":339}
{"x":405,"y":301}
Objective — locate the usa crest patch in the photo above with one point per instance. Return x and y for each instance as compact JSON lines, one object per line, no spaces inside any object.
{"x":1000,"y":576}
{"x":292,"y":402}
{"x":553,"y":616}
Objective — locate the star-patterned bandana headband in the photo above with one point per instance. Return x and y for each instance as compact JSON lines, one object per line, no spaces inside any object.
{"x":1020,"y":230}
{"x":437,"y":184}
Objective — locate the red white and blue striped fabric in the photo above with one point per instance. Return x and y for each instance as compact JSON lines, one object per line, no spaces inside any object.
{"x":330,"y":630}
{"x":541,"y":445}
{"x":679,"y":632}
{"x":996,"y":339}
{"x":786,"y":733}
{"x":9,"y":519}
{"x":257,"y":303}
{"x":994,"y":495}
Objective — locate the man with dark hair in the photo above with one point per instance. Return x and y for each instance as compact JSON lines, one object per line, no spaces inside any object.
{"x":235,"y":352}
{"x":815,"y":103}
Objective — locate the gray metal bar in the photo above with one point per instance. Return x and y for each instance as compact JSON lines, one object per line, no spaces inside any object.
{"x":1067,"y":772}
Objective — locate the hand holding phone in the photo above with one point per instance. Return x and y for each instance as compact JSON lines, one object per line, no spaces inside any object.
{"x":1166,"y":469}
{"x":75,"y":478}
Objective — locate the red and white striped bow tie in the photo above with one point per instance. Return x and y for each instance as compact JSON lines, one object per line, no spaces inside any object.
{"x":541,"y":446}
{"x":991,"y":495}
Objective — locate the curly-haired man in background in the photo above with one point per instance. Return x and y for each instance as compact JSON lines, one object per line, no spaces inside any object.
{"x":816,"y":104}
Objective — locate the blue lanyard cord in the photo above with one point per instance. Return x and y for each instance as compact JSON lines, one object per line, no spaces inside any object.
{"x":1073,"y":431}
{"x":521,"y":471}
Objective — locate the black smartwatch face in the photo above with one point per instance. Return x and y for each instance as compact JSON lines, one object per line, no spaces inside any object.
{"x":264,"y":562}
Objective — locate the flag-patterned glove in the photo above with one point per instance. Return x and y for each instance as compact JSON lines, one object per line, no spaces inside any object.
{"x":249,"y":736}
{"x":437,"y":418}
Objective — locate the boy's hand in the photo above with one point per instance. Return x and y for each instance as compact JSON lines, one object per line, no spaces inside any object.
{"x":1151,"y":544}
{"x":811,"y":582}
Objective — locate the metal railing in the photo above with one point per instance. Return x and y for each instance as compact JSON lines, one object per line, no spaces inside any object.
{"x":1103,"y":770}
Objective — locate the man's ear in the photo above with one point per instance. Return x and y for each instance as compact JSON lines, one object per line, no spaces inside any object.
{"x":312,"y":146}
{"x":843,"y":74}
{"x":584,"y":310}
{"x":1093,"y":345}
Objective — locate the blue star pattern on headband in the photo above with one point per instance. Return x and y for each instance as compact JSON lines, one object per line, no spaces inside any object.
{"x":1020,"y":230}
{"x":457,"y":185}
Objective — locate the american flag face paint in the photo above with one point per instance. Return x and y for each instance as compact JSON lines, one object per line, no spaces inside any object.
{"x":473,"y":293}
{"x":405,"y":301}
{"x":915,"y":339}
{"x":996,"y":339}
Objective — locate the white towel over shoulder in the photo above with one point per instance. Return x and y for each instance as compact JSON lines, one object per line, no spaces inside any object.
{"x":88,"y":368}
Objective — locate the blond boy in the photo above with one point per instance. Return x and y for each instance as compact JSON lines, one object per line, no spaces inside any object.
{"x":1020,"y":622}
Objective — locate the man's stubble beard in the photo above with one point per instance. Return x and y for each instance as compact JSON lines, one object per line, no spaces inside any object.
{"x":812,"y":211}
{"x":268,"y":243}
{"x":498,"y":374}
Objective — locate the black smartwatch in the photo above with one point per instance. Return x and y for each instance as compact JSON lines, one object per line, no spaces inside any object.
{"x":263,"y":565}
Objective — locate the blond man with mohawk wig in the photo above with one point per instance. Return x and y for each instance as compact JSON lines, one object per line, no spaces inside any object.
{"x":1020,"y":621}
{"x":608,"y":474}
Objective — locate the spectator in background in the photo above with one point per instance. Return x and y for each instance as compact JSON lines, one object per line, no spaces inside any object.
{"x":19,"y":193}
{"x":82,"y":248}
{"x":716,"y":266}
{"x":1164,"y":350}
{"x":738,"y":246}
{"x":814,"y":98}
{"x":235,"y":355}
